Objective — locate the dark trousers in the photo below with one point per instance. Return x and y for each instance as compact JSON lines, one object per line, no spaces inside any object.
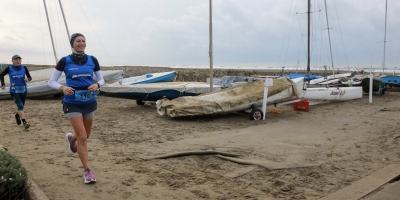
{"x":19,"y":99}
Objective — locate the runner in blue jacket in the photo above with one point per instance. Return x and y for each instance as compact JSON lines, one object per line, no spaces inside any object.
{"x":19,"y":75}
{"x":79,"y":101}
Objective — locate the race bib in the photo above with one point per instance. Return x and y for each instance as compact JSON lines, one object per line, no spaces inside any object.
{"x":83,"y":95}
{"x":19,"y":89}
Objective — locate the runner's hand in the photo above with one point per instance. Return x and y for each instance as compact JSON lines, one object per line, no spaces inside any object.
{"x":68,"y":90}
{"x":93,"y":87}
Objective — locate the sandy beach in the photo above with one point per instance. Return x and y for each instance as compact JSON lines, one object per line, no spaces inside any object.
{"x":301,"y":155}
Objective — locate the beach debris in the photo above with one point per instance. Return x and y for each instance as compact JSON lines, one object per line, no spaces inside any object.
{"x":390,"y":109}
{"x":273,"y":111}
{"x":245,"y":162}
{"x":190,"y":153}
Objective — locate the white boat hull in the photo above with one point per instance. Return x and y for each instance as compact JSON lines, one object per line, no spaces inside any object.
{"x":324,"y":94}
{"x":156,"y":91}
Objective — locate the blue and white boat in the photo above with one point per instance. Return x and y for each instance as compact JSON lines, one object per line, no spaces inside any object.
{"x":148,"y":78}
{"x":305,"y":76}
{"x":156,"y":91}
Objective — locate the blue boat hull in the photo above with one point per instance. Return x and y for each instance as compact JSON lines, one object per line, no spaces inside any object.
{"x":165,"y":78}
{"x":393,"y":81}
{"x":305,"y":76}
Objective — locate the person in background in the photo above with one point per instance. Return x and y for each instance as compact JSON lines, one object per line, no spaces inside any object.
{"x":19,"y":76}
{"x":79,"y":101}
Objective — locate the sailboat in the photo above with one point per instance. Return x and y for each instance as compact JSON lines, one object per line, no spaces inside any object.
{"x":378,"y":83}
{"x":326,"y":94}
{"x":251,"y":95}
{"x":390,"y":80}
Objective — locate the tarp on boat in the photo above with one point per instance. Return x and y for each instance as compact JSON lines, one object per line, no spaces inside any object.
{"x":232,"y":99}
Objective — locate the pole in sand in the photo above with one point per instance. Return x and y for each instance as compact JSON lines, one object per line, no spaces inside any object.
{"x":371,"y":76}
{"x":268,"y":82}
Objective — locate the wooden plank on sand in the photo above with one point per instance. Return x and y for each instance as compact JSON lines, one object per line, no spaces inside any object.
{"x":34,"y":192}
{"x":362,"y":187}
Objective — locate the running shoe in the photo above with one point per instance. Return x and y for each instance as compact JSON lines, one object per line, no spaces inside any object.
{"x":17,"y":119}
{"x":89,"y":177}
{"x":71,"y":144}
{"x":26,"y":125}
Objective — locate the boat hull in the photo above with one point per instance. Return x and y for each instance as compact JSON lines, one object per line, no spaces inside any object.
{"x":169,"y":94}
{"x":149,"y":78}
{"x":156,"y":91}
{"x":376,"y":84}
{"x":393,"y":81}
{"x":331,"y":94}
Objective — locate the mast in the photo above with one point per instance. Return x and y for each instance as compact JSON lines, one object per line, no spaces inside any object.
{"x":329,"y":37}
{"x":308,"y":48}
{"x":211,"y":50}
{"x":384,"y":42}
{"x":65,"y":21}
{"x":51,"y":35}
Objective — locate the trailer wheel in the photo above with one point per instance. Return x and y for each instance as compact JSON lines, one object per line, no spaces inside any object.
{"x":256,"y":114}
{"x":139,"y":102}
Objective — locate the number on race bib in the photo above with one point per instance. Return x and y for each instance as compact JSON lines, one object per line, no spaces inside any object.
{"x":82,"y":95}
{"x":19,"y":89}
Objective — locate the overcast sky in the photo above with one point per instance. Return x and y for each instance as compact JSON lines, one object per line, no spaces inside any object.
{"x":268,"y":33}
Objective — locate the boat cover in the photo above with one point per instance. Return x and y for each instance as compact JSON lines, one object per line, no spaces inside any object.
{"x":232,"y":99}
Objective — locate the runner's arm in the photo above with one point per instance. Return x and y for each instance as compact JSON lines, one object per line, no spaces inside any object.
{"x":3,"y":73}
{"x":100,"y":78}
{"x":28,"y":75}
{"x":54,"y":78}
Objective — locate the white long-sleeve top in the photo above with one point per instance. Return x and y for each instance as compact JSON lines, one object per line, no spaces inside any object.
{"x":56,"y":75}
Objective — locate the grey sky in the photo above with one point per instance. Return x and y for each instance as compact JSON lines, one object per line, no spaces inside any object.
{"x":249,"y":33}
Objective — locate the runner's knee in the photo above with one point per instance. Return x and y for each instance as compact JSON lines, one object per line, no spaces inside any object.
{"x":20,"y":106}
{"x":82,"y":138}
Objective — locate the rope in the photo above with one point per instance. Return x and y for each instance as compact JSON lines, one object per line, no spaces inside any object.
{"x":146,"y":96}
{"x":41,"y":31}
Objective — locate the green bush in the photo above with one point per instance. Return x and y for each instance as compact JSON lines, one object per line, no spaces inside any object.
{"x":12,"y":177}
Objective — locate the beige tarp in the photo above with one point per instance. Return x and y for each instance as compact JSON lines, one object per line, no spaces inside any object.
{"x":237,"y":98}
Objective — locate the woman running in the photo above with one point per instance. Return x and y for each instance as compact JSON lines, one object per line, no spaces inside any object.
{"x":19,"y":76}
{"x":79,"y":101}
